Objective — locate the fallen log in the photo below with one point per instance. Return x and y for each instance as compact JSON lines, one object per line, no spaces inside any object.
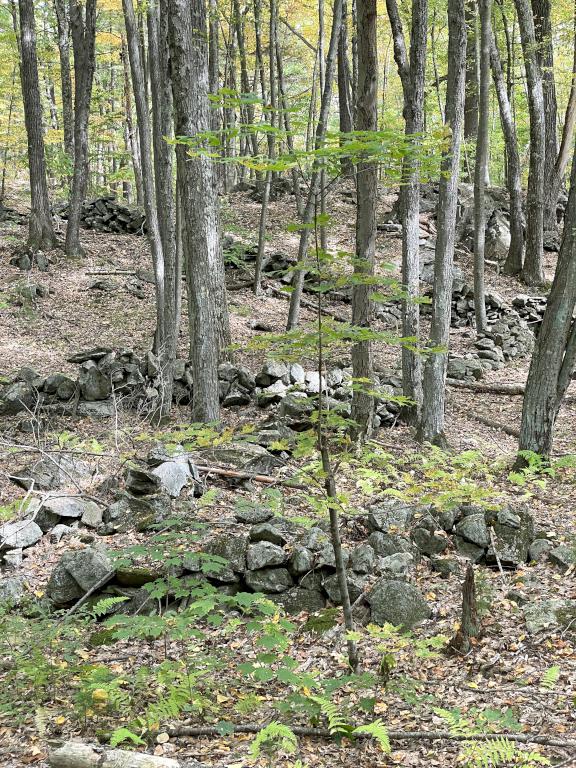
{"x":74,"y":754}
{"x":497,"y":425}
{"x":493,"y":389}
{"x":234,"y":473}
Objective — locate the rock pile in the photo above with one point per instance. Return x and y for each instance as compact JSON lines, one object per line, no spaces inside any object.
{"x":531,"y":309}
{"x":105,"y":214}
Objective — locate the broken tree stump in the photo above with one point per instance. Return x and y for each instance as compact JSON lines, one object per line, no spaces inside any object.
{"x":470,"y":623}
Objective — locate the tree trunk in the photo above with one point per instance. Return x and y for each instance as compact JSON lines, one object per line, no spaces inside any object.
{"x":412,"y":75}
{"x":515,"y":258}
{"x":431,"y":426}
{"x":75,"y":755}
{"x":532,"y":273}
{"x":131,"y":135}
{"x":298,"y":282}
{"x":288,"y":127}
{"x":553,"y":359}
{"x":367,"y":199}
{"x":481,"y":165}
{"x":161,"y":92}
{"x":142,"y":114}
{"x":344,"y":96}
{"x":541,"y":10}
{"x":471,"y":98}
{"x":65,"y":77}
{"x":83,"y":26}
{"x":41,"y":234}
{"x":208,"y":316}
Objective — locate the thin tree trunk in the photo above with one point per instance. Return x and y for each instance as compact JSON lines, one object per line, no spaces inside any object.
{"x":208,"y":316}
{"x":311,"y":202}
{"x":532,"y":272}
{"x":65,"y":77}
{"x":132,"y":137}
{"x":83,"y":26}
{"x":344,"y":96}
{"x":162,"y":131}
{"x":367,"y":198}
{"x":8,"y":133}
{"x":515,"y":258}
{"x":481,"y":165}
{"x":142,"y":114}
{"x":288,"y":127}
{"x":471,"y":98}
{"x":431,"y":428}
{"x":41,"y":234}
{"x":412,"y":75}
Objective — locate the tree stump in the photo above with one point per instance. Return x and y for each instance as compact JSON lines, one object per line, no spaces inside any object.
{"x":470,"y":623}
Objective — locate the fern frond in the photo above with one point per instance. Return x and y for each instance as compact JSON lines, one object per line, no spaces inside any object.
{"x":378,"y":731}
{"x":337,"y":725}
{"x":550,"y":678}
{"x":274,"y":733}
{"x":105,"y":605}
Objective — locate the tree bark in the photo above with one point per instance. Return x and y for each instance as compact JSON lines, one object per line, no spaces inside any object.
{"x":541,"y":10}
{"x":83,"y":26}
{"x":412,"y":75}
{"x":142,"y":114}
{"x":367,"y":199}
{"x":553,"y":359}
{"x":344,"y":96}
{"x":471,"y":98}
{"x":515,"y":258}
{"x":431,"y":428}
{"x":208,"y":315}
{"x":298,"y":282}
{"x":41,"y":234}
{"x":481,"y":165}
{"x":532,"y":272}
{"x":65,"y":77}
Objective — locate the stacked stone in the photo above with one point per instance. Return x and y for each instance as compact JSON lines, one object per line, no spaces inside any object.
{"x":105,"y":214}
{"x":531,"y":309}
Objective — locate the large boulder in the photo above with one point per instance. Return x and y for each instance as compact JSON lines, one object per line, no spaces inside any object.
{"x":474,"y":530}
{"x":296,"y":600}
{"x":269,"y":580}
{"x":513,"y":534}
{"x":17,"y":397}
{"x":398,"y":603}
{"x":563,"y":556}
{"x":264,"y":554}
{"x":549,"y":615}
{"x":244,"y":456}
{"x":174,"y":476}
{"x":51,"y":474}
{"x":19,"y":535}
{"x":231,"y":548}
{"x":54,"y":508}
{"x":94,"y":385}
{"x":391,"y":517}
{"x":76,"y":573}
{"x":356,"y":584}
{"x":12,"y":591}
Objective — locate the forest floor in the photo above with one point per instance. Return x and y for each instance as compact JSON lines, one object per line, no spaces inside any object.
{"x":503,"y":672}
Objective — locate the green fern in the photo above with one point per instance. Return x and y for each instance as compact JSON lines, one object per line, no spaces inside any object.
{"x":105,"y":605}
{"x":550,"y":678}
{"x":274,"y":735}
{"x":378,"y":731}
{"x":499,"y":752}
{"x":337,"y":725}
{"x":124,"y":734}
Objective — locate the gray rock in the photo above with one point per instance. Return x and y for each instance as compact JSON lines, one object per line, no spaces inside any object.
{"x":296,"y":408}
{"x":101,"y":409}
{"x":219,"y":572}
{"x":313,"y":579}
{"x":19,"y":535}
{"x":17,"y":397}
{"x":394,"y":516}
{"x":356,"y":584}
{"x":429,"y":543}
{"x":93,"y":515}
{"x":245,"y":456}
{"x":396,"y":565}
{"x":76,"y":573}
{"x":141,"y":482}
{"x":267,"y":532}
{"x":301,"y":560}
{"x":297,"y":374}
{"x":59,"y":531}
{"x":236,"y":396}
{"x":397,"y":603}
{"x":312,"y":382}
{"x":60,"y":385}
{"x":144,"y":512}
{"x":264,"y":554}
{"x":96,"y":353}
{"x":271,"y":372}
{"x":12,"y":559}
{"x":47,"y":474}
{"x":253,"y":515}
{"x":363,"y":559}
{"x":174,"y":476}
{"x":296,"y":600}
{"x":314,"y":539}
{"x":94,"y":385}
{"x":385,"y":544}
{"x":231,"y":548}
{"x":474,"y":530}
{"x":272,"y":394}
{"x":445,"y":566}
{"x":513,"y":534}
{"x":539,"y":549}
{"x":563,"y":556}
{"x":326,"y":557}
{"x":269,"y":580}
{"x":549,"y":614}
{"x":71,"y":507}
{"x":12,"y":591}
{"x":468,"y":550}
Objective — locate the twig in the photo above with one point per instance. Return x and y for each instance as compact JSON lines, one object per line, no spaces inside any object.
{"x":249,"y":476}
{"x":99,"y":584}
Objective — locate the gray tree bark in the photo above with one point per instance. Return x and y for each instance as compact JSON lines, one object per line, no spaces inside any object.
{"x":65,"y":77}
{"x":431,"y":428}
{"x":532,"y":272}
{"x":412,"y":75}
{"x":481,"y":165}
{"x":515,"y":258}
{"x":554,"y":356}
{"x":41,"y":234}
{"x":471,"y":98}
{"x":83,"y":26}
{"x":367,"y":199}
{"x":208,"y":315}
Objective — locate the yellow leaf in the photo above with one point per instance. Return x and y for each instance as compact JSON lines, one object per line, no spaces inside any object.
{"x":220,"y":698}
{"x":39,"y":593}
{"x":60,"y":720}
{"x":100,"y":695}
